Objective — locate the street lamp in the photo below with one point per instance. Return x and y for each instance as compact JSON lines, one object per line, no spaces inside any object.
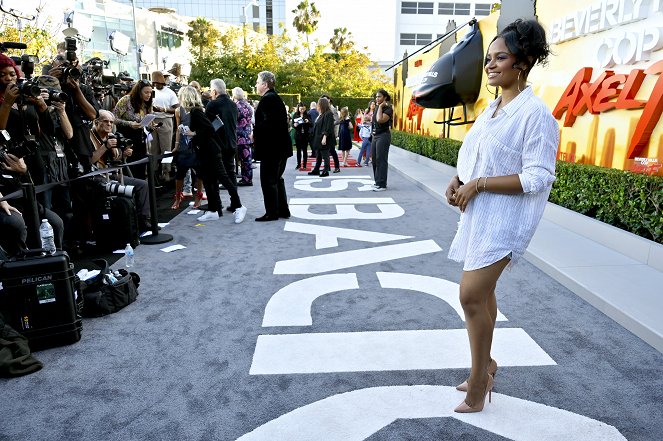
{"x":244,"y":16}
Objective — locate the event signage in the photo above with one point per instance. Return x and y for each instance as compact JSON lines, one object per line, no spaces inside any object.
{"x":582,"y":95}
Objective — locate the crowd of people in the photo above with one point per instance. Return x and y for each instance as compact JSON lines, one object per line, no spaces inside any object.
{"x":215,"y":137}
{"x":506,"y":165}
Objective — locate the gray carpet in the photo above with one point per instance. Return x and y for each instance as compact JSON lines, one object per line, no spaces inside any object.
{"x":175,"y":364}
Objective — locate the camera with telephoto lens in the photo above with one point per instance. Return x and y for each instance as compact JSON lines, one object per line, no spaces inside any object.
{"x":55,"y":95}
{"x":18,"y":149}
{"x":114,"y":188}
{"x":69,"y":71}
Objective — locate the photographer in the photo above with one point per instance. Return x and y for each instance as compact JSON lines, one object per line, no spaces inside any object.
{"x":111,"y":149}
{"x":13,"y":231}
{"x":81,"y":106}
{"x":55,"y":130}
{"x":20,"y":112}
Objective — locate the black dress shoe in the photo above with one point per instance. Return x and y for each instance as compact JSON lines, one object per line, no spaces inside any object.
{"x":324,"y":174}
{"x":266,"y":218}
{"x":284,"y":215}
{"x":314,"y":172}
{"x":244,"y":184}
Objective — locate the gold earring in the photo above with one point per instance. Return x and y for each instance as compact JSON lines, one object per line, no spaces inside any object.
{"x":518,"y":85}
{"x":492,"y":93}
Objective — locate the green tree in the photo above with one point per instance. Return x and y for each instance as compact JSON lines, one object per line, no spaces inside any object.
{"x":341,"y":42}
{"x":202,"y":35}
{"x":38,"y":35}
{"x":306,"y":20}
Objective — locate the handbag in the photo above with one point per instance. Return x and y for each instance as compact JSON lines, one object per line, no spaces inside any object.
{"x":105,"y":294}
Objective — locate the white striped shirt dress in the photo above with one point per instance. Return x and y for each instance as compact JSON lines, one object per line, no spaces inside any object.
{"x":521,"y":139}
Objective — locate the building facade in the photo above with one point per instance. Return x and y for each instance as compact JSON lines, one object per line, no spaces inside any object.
{"x":260,"y":15}
{"x":419,"y":23}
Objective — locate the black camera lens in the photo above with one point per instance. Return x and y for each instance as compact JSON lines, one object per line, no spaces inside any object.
{"x":28,"y":88}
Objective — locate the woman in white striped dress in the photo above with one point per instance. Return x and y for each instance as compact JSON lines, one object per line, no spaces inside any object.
{"x":506,"y":167}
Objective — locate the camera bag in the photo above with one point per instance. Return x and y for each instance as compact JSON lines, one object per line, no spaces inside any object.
{"x":102,"y":296}
{"x":116,"y":223}
{"x":40,"y":298}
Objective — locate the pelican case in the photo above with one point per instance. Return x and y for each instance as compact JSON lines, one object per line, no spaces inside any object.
{"x":39,"y":298}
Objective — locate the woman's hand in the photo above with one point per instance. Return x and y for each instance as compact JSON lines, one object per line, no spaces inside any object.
{"x":14,"y":163}
{"x":465,"y":194}
{"x":4,"y":206}
{"x":190,"y":133}
{"x":452,"y":188}
{"x":134,"y":125}
{"x":11,"y":94}
{"x":324,"y":140}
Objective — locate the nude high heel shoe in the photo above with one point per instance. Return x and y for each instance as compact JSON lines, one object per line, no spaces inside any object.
{"x":492,"y":370}
{"x":466,"y":408}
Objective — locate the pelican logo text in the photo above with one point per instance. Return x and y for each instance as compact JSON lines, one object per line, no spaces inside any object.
{"x":36,"y":279}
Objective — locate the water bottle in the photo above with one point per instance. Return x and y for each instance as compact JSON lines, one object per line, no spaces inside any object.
{"x":47,"y":236}
{"x":128,"y":256}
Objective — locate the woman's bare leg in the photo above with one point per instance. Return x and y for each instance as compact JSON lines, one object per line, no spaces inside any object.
{"x":477,"y":296}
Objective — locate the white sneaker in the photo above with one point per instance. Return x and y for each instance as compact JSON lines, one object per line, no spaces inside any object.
{"x":375,"y":186}
{"x":239,"y":214}
{"x":209,"y":216}
{"x":379,"y":188}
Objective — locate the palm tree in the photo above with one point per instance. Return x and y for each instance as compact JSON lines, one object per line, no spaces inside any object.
{"x":306,"y":20}
{"x":202,"y":34}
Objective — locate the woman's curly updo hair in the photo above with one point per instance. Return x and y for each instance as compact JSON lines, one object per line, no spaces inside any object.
{"x":526,"y":40}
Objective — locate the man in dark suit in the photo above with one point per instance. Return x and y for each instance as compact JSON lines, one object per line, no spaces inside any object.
{"x":222,"y":106}
{"x":272,"y":147}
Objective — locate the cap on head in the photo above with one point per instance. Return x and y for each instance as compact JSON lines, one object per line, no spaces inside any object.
{"x":50,"y":82}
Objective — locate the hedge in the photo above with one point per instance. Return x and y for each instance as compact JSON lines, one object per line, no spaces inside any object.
{"x":630,"y":201}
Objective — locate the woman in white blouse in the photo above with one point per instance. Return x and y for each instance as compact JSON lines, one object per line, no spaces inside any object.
{"x":506,"y":167}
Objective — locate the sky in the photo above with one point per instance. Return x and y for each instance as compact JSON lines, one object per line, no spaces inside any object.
{"x":372,"y":23}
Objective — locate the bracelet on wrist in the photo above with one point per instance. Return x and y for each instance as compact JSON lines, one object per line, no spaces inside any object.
{"x":484,"y":183}
{"x":476,"y":185}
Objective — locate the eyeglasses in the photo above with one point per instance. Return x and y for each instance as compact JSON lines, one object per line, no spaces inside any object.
{"x":105,"y":121}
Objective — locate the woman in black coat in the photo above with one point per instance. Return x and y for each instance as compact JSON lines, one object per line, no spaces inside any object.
{"x":323,"y":138}
{"x":208,"y":148}
{"x":302,"y":123}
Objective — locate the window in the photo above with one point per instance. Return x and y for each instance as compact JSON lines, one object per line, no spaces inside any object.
{"x":417,"y":8}
{"x":462,"y":9}
{"x":425,"y":8}
{"x":482,"y":9}
{"x":424,"y":39}
{"x":408,"y":39}
{"x":454,"y":9}
{"x":446,"y":9}
{"x":415,"y":39}
{"x":408,"y":8}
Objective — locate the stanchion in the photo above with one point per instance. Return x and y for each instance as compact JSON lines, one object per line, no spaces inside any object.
{"x":156,"y":237}
{"x":31,"y":217}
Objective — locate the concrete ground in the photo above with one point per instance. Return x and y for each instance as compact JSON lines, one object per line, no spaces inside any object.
{"x":341,"y":323}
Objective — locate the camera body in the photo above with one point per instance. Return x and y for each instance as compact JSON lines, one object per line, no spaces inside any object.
{"x":123,"y":142}
{"x":18,"y":149}
{"x":69,"y":71}
{"x":70,"y":49}
{"x":55,"y":95}
{"x":28,"y":87}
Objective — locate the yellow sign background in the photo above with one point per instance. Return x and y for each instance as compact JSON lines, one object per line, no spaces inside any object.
{"x":601,"y":139}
